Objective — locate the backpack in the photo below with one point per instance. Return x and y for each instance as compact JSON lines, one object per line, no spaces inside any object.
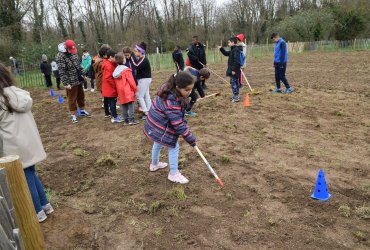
{"x":242,"y":58}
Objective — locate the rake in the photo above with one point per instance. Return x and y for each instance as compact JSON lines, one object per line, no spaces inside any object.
{"x":210,"y":168}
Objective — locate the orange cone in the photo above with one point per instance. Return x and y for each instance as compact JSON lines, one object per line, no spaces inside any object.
{"x":247,"y":102}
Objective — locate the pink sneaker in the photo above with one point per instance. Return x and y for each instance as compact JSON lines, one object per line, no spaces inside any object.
{"x":178,"y":178}
{"x":158,"y":166}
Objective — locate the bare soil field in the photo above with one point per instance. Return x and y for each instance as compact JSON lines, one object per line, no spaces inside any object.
{"x":268,"y":156}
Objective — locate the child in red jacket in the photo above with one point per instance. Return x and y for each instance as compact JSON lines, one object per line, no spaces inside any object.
{"x":126,"y":89}
{"x":109,"y":90}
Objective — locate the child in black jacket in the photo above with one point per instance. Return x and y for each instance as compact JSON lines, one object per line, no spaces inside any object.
{"x":201,"y":76}
{"x":178,"y":59}
{"x":233,"y":66}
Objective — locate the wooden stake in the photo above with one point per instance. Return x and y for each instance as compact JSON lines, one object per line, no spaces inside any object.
{"x":25,"y":212}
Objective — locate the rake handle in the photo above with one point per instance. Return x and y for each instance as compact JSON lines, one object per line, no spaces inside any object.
{"x":215,"y":73}
{"x":247,"y":81}
{"x":209,"y":167}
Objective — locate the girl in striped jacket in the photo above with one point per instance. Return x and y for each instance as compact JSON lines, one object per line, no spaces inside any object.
{"x":166,"y":122}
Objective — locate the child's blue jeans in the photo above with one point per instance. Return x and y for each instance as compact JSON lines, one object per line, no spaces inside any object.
{"x":36,"y":188}
{"x":234,"y":81}
{"x":173,"y":156}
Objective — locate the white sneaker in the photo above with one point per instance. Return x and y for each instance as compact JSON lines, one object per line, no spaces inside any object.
{"x":158,"y":166}
{"x":116,"y":120}
{"x":86,"y":89}
{"x":178,"y":178}
{"x":74,"y":119}
{"x":48,"y":209}
{"x":92,"y":90}
{"x":41,"y":216}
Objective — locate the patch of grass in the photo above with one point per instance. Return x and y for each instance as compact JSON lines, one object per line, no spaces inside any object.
{"x":293,"y":145}
{"x":339,"y":113}
{"x":272,"y":222}
{"x":173,"y":211}
{"x":68,"y":145}
{"x":229,"y":196}
{"x":247,"y":212}
{"x":178,"y":193}
{"x":363,"y":212}
{"x":238,"y":150}
{"x":154,"y":207}
{"x":50,"y":194}
{"x":158,"y":231}
{"x":344,"y":210}
{"x":360,"y":235}
{"x":80,"y":152}
{"x":106,"y":161}
{"x":225,"y":159}
{"x":182,"y":162}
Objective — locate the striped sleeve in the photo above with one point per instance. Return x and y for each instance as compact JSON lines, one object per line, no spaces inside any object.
{"x":178,"y":122}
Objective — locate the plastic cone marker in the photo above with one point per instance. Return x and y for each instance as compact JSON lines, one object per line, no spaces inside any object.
{"x":52,"y":93}
{"x":60,"y":99}
{"x":247,"y":102}
{"x":78,"y":112}
{"x":321,"y":189}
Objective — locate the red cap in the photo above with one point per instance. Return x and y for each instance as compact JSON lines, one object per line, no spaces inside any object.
{"x":71,"y":46}
{"x":240,"y":37}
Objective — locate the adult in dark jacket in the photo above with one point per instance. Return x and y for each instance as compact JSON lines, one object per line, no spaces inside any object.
{"x":71,"y":74}
{"x":178,"y":59}
{"x":233,"y":66}
{"x":197,"y":55}
{"x":280,"y":63}
{"x":54,"y":68}
{"x":46,"y":70}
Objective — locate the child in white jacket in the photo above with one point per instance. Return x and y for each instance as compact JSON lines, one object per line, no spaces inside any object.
{"x":19,"y":136}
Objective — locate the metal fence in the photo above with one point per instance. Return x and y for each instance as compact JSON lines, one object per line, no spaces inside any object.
{"x":30,"y":74}
{"x":9,"y":231}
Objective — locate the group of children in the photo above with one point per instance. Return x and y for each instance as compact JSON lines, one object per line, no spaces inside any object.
{"x":124,"y":77}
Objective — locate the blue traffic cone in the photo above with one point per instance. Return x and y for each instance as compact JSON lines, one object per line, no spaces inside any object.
{"x":60,"y":99}
{"x":78,"y":112}
{"x":52,"y":92}
{"x":321,"y":190}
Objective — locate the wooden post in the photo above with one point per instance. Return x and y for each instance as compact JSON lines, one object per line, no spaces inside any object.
{"x":25,"y":212}
{"x":354,"y":44}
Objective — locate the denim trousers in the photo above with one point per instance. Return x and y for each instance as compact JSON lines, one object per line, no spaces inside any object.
{"x":173,"y":156}
{"x":36,"y":188}
{"x":234,"y":81}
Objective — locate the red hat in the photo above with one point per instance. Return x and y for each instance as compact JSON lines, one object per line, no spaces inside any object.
{"x":70,"y":46}
{"x":240,"y":37}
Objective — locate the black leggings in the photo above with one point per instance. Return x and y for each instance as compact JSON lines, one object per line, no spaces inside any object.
{"x":110,"y":105}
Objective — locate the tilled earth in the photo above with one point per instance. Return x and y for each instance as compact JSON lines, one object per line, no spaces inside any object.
{"x":268,"y":156}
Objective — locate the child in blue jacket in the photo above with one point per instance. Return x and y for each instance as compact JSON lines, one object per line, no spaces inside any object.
{"x":166,"y":122}
{"x":280,"y":63}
